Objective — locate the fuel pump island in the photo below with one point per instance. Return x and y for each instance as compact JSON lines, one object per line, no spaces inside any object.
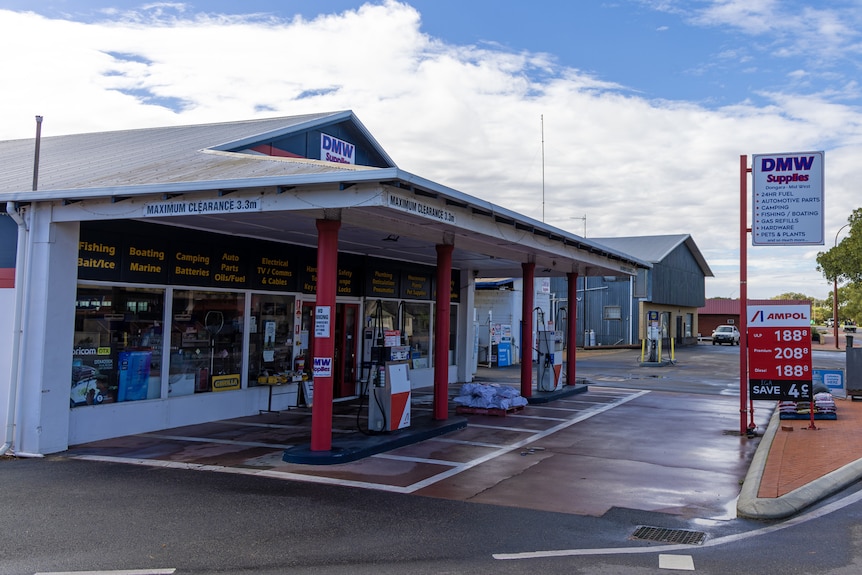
{"x":651,"y":345}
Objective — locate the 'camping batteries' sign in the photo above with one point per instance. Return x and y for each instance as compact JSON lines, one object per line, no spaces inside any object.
{"x":779,"y":352}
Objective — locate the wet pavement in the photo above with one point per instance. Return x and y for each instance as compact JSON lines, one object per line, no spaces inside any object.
{"x":659,"y":439}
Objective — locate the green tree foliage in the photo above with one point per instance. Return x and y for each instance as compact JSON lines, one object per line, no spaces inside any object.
{"x":795,"y":296}
{"x":843,"y":263}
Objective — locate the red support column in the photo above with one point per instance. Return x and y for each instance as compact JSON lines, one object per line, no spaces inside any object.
{"x":572,"y":327}
{"x":441,"y":331}
{"x":743,"y":293}
{"x":324,"y":346}
{"x":529,"y":270}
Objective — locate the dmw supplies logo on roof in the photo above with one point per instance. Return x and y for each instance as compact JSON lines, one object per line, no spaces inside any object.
{"x":334,"y":150}
{"x":779,"y":316}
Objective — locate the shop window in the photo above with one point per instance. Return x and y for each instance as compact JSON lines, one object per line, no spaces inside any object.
{"x":206,"y":342}
{"x":453,"y":333}
{"x":381,"y":314}
{"x":417,"y":331}
{"x":270,"y":337}
{"x":117,"y":353}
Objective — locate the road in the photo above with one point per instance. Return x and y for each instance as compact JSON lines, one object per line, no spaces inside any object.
{"x":66,"y":515}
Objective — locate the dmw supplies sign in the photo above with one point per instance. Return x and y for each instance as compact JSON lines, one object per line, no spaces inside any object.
{"x":322,"y":367}
{"x":787,"y":207}
{"x":334,"y":150}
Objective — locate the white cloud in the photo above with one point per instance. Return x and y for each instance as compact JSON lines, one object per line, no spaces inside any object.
{"x":467,"y":117}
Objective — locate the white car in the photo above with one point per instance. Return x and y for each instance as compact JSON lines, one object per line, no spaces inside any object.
{"x":725,"y":334}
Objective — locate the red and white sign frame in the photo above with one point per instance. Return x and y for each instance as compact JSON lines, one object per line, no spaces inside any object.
{"x":779,"y":352}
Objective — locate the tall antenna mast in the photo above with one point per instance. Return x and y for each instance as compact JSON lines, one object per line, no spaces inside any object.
{"x":543,"y":167}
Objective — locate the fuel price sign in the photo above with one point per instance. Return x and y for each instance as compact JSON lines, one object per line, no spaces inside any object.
{"x":779,"y":353}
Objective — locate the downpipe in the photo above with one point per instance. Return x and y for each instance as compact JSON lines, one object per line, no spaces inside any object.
{"x":21,"y":265}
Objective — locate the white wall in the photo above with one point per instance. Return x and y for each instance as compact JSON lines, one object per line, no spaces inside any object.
{"x":47,"y":334}
{"x":95,"y":422}
{"x":7,"y":316}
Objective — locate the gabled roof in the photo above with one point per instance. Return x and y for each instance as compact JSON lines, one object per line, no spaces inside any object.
{"x":654,"y":249}
{"x":170,"y":155}
{"x":117,"y":175}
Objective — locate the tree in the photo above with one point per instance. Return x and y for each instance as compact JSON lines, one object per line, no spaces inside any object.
{"x":794,"y":296}
{"x":843,"y":263}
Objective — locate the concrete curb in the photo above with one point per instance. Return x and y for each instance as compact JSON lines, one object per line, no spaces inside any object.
{"x":754,"y":507}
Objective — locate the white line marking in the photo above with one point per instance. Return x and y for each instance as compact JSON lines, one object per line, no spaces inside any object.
{"x":120,"y":572}
{"x":470,"y":443}
{"x":519,"y":444}
{"x":214,"y":440}
{"x":459,"y":467}
{"x":678,"y":562}
{"x":541,"y":418}
{"x":264,"y":425}
{"x":798,"y":520}
{"x":270,"y":473}
{"x":502,"y":428}
{"x":415,"y":459}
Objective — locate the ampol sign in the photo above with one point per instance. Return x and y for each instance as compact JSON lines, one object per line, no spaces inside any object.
{"x":779,"y":352}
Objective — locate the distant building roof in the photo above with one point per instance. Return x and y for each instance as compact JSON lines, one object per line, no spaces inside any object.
{"x":655,"y":248}
{"x":717,"y":306}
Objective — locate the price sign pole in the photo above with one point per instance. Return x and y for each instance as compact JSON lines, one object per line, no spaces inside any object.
{"x":779,"y":354}
{"x":787,"y":210}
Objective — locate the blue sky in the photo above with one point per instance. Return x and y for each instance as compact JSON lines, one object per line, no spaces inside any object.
{"x":644,"y":105}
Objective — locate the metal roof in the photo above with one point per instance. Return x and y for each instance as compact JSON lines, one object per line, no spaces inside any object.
{"x":655,"y":248}
{"x":116,"y":172}
{"x":168,"y":155}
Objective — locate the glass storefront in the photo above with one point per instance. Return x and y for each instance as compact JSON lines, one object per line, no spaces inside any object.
{"x":218,"y":314}
{"x":206,"y":342}
{"x":271,"y":338}
{"x":417,"y":331}
{"x":117,"y":346}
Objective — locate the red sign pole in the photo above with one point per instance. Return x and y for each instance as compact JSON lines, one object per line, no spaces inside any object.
{"x":743,"y":294}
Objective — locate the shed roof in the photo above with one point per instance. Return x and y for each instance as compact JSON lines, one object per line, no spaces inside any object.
{"x":655,"y":248}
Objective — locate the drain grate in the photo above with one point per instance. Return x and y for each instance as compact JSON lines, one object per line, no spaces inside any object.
{"x":681,"y":536}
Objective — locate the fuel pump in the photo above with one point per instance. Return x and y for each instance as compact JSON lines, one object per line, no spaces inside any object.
{"x":653,"y":337}
{"x":386,"y":382}
{"x":550,"y":355}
